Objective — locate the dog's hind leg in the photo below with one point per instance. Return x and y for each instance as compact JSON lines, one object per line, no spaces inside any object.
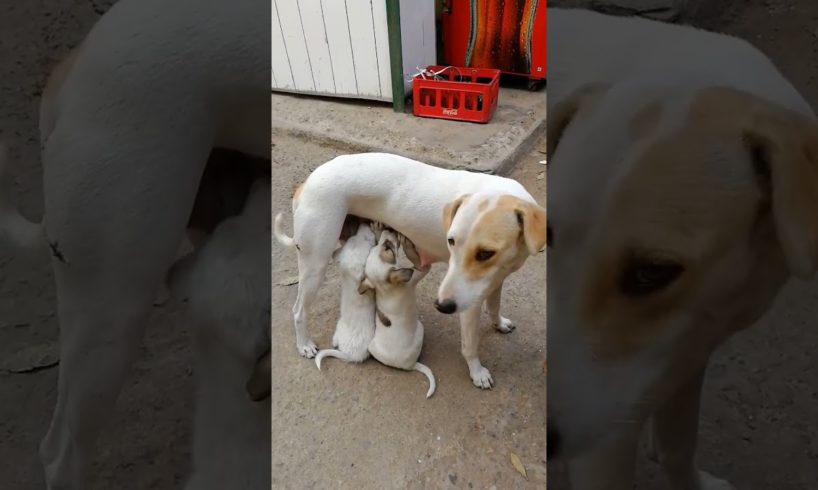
{"x":116,"y":211}
{"x":317,"y":228}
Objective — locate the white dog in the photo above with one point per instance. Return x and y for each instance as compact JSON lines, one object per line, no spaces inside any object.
{"x":682,"y":195}
{"x":356,"y":323}
{"x":127,"y":123}
{"x":227,"y":286}
{"x":485,"y":226}
{"x":398,"y":331}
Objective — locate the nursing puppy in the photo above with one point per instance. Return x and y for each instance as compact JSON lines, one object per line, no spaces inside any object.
{"x":682,"y":195}
{"x":356,"y":324}
{"x":398,"y":331}
{"x":227,"y":287}
{"x":484,"y":226}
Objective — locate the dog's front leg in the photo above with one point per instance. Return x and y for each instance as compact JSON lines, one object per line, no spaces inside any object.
{"x":609,"y":465}
{"x":469,"y":344}
{"x":500,"y":323}
{"x":674,"y":433}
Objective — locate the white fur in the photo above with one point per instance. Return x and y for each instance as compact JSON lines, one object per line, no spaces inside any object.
{"x":598,"y":408}
{"x":407,"y":195}
{"x":356,"y":323}
{"x":399,"y":344}
{"x":228,"y":291}
{"x":126,"y":135}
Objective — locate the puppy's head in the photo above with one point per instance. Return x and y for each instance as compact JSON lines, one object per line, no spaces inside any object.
{"x":489,"y":237}
{"x":389,"y":264}
{"x":675,"y":214}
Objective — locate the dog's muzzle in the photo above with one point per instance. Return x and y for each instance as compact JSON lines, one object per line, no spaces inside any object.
{"x":446,"y":306}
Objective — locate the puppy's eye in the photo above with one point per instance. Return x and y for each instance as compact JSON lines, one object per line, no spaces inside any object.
{"x":451,"y":242}
{"x":643,"y":277}
{"x":549,"y":236}
{"x":484,"y":255}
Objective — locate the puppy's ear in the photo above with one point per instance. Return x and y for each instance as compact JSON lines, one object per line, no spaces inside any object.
{"x":451,"y":209}
{"x":565,"y":110}
{"x":258,"y":385}
{"x":784,"y":150}
{"x":411,"y":251}
{"x":365,"y":285}
{"x":400,"y":276}
{"x":533,"y":223}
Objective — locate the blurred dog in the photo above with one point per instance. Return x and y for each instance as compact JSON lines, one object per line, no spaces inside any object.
{"x":227,"y":287}
{"x":683,"y":186}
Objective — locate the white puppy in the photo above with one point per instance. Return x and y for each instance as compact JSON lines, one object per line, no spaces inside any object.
{"x":356,"y":324}
{"x":398,"y":331}
{"x":227,"y":286}
{"x":484,"y":226}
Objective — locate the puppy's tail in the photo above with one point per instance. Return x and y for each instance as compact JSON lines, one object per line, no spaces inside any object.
{"x":15,"y":229}
{"x":278,"y":232}
{"x":330,"y":353}
{"x":428,"y":372}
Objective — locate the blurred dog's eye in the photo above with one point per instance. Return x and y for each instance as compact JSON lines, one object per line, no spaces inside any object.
{"x":549,"y":236}
{"x":451,"y":242}
{"x":642,"y":277}
{"x":484,"y":255}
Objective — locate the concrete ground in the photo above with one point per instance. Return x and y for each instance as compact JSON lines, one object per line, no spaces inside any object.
{"x":369,"y":426}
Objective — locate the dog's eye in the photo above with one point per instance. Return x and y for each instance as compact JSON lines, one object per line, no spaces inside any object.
{"x":549,"y":236}
{"x":451,"y":242}
{"x":484,"y":255}
{"x":643,"y":277}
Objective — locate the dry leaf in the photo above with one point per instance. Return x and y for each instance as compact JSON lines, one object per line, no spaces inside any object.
{"x":543,"y":162}
{"x":32,"y":358}
{"x":289,"y":281}
{"x":517,"y":464}
{"x":541,"y":176}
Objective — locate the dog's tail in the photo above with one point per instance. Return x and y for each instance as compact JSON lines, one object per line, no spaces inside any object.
{"x":278,"y":232}
{"x":331,"y":353}
{"x":428,"y":372}
{"x":15,"y":229}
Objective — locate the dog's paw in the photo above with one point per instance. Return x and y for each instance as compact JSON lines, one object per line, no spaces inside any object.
{"x":481,"y":377}
{"x":308,"y":349}
{"x":710,"y":482}
{"x":504,"y":325}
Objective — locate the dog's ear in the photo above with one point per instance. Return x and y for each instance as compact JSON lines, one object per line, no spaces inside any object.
{"x":533,"y":223}
{"x":411,"y":251}
{"x":365,"y":285}
{"x":451,"y":209}
{"x":784,"y":150}
{"x":565,"y":110}
{"x":259,"y":384}
{"x":400,"y":276}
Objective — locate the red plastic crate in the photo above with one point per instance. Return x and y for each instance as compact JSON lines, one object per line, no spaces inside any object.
{"x":460,"y":94}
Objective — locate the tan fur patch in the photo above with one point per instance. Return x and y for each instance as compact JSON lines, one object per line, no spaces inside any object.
{"x":451,"y":209}
{"x":297,"y":192}
{"x":496,"y":230}
{"x":645,"y":120}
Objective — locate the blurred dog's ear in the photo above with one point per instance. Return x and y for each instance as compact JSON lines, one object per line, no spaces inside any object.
{"x":411,"y":251}
{"x":451,"y":209}
{"x":784,"y":148}
{"x":365,"y":285}
{"x":259,"y":384}
{"x":565,"y":110}
{"x":400,"y":276}
{"x":533,"y":223}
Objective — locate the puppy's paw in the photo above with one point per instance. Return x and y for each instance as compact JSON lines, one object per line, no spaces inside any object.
{"x":710,"y":482}
{"x":504,"y":325}
{"x":308,"y":349}
{"x":481,"y":377}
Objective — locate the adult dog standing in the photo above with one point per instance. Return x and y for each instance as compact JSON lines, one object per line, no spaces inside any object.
{"x":127,"y":123}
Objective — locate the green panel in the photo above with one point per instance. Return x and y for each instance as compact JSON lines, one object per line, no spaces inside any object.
{"x":395,"y":54}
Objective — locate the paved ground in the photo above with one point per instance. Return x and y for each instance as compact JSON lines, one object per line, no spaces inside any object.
{"x":370,"y":426}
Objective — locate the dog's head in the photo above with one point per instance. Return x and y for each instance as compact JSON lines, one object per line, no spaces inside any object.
{"x":675,"y":215}
{"x":390,"y":264}
{"x":489,"y":237}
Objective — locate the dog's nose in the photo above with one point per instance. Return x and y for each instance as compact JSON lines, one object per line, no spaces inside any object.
{"x":446,"y":306}
{"x":552,"y":442}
